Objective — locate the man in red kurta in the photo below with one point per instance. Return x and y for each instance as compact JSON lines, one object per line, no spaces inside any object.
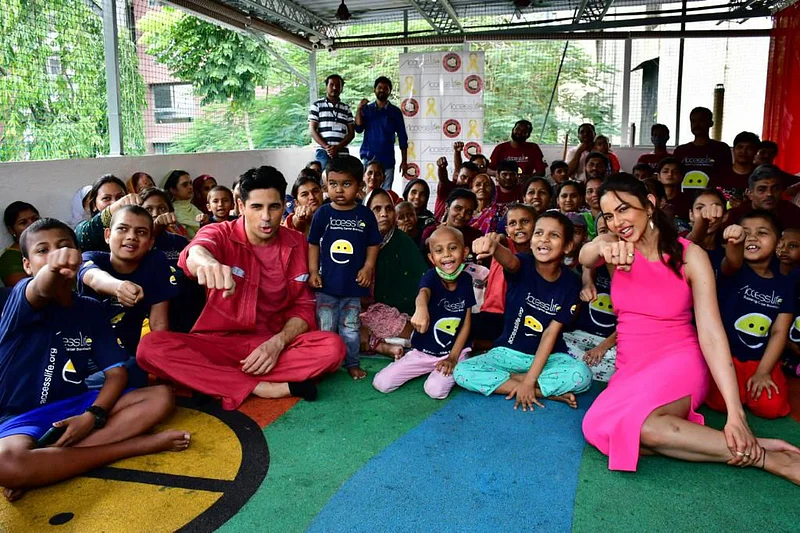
{"x":257,"y":333}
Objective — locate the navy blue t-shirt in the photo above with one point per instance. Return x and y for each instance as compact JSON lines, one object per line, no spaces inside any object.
{"x":44,"y":354}
{"x":532,"y":303}
{"x":154,"y":276}
{"x":794,"y":331}
{"x":171,"y":245}
{"x":343,"y":238}
{"x":447,"y":310}
{"x":716,"y":256}
{"x":598,"y":317}
{"x":749,"y":305}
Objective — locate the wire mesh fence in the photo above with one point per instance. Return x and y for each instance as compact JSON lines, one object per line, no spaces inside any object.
{"x":188,"y":85}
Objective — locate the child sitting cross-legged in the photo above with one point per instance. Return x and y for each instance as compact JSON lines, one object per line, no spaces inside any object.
{"x":757,"y":304}
{"x":529,"y":360}
{"x":48,"y":335}
{"x":133,"y":281}
{"x":441,"y":320}
{"x":488,"y":324}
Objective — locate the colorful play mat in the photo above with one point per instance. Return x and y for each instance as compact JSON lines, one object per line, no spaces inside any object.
{"x":359,"y":460}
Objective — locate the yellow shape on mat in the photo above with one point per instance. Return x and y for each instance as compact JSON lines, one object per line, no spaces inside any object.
{"x":104,"y":505}
{"x":111,"y":505}
{"x":215,"y":451}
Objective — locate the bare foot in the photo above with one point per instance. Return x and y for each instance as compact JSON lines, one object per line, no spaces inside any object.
{"x":392,"y":350}
{"x":567,"y":398}
{"x":171,"y":440}
{"x":13,"y":495}
{"x":784,"y":464}
{"x":778,"y":445}
{"x":356,"y":372}
{"x":268,"y":390}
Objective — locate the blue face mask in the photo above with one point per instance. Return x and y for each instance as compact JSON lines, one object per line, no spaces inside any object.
{"x":450,"y":277}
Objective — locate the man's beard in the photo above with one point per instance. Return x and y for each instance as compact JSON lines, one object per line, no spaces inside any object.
{"x":382,"y":97}
{"x":518,"y":138}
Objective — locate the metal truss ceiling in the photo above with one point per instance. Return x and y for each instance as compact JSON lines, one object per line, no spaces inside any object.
{"x":439,"y":14}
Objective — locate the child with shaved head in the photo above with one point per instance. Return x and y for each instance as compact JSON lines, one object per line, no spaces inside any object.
{"x":441,"y":321}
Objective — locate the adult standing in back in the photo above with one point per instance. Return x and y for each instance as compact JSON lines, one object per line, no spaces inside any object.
{"x":381,"y":121}
{"x":330,"y":122}
{"x":705,"y":155}
{"x":528,"y":156}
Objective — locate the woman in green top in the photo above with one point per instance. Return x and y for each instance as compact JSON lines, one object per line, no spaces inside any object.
{"x":398,"y":270}
{"x":17,"y":217}
{"x":107,"y":195}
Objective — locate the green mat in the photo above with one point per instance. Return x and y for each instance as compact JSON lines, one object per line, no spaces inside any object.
{"x":670,"y":495}
{"x":315,"y":447}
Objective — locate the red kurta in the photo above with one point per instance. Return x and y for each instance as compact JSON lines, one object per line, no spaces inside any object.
{"x":229,"y":329}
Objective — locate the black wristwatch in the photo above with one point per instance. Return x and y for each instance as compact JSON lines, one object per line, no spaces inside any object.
{"x":100,"y":415}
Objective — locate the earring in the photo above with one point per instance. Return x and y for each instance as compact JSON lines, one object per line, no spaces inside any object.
{"x":652,"y":226}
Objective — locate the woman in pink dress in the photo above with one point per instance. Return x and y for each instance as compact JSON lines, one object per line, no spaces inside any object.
{"x":663,"y":363}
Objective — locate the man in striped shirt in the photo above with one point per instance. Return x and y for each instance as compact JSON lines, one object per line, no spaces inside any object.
{"x":331,"y":122}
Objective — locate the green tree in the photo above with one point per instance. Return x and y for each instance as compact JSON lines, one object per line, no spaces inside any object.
{"x":225,"y":67}
{"x":52,"y":82}
{"x":519,"y":83}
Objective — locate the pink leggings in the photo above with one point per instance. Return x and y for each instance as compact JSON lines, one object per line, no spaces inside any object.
{"x":415,"y":364}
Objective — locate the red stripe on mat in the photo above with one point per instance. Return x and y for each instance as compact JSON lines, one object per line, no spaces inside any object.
{"x":265,"y":412}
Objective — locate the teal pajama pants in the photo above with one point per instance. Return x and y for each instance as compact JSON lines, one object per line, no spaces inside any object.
{"x":560,"y":375}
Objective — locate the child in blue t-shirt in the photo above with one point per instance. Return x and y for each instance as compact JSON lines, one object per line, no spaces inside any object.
{"x":757,"y":304}
{"x":529,"y":360}
{"x":788,"y":253}
{"x":219,"y":204}
{"x":592,"y":338}
{"x":48,"y":336}
{"x":343,"y":247}
{"x":133,"y":281}
{"x":441,"y":321}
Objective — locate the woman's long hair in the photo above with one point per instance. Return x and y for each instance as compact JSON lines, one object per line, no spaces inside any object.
{"x":670,"y":249}
{"x":107,"y":178}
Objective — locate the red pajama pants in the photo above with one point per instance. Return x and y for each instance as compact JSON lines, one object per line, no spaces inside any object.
{"x":210,"y":363}
{"x":764,"y":407}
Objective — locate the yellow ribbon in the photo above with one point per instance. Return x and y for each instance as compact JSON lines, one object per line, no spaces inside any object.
{"x":412,"y":150}
{"x":473,"y":62}
{"x":431,"y":172}
{"x":473,"y":129}
{"x":409,"y":85}
{"x":431,"y":107}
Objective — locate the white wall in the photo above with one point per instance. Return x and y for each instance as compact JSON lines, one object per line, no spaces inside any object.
{"x":50,"y":185}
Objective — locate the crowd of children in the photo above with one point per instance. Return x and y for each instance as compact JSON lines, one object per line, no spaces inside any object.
{"x":494,"y":297}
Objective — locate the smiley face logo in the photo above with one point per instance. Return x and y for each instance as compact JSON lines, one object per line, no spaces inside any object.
{"x":445,"y":329}
{"x":752,"y":329}
{"x":340,"y":251}
{"x":794,"y":333}
{"x":172,"y":279}
{"x":69,"y":374}
{"x":602,"y":312}
{"x":532,"y":326}
{"x":695,"y":180}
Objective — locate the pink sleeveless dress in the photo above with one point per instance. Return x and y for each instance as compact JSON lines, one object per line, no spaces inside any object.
{"x":658,"y":359}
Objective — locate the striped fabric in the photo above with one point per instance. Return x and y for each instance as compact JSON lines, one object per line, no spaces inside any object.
{"x":333,"y":119}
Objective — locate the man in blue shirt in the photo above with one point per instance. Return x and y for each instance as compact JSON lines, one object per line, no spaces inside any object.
{"x":48,"y":335}
{"x":380,"y":121}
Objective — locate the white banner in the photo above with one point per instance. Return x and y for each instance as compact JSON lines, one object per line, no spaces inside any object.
{"x":442,"y":102}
